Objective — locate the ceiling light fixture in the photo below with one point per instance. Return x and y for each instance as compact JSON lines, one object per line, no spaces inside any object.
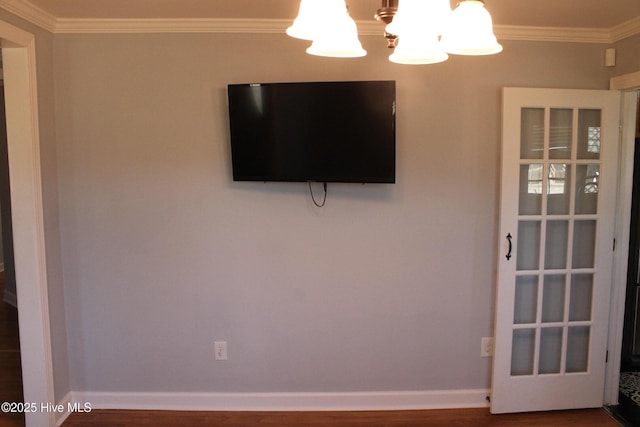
{"x":327,"y":23}
{"x":419,"y":31}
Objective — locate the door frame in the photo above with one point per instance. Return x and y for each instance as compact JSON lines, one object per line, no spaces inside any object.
{"x":21,"y":98}
{"x":628,"y":84}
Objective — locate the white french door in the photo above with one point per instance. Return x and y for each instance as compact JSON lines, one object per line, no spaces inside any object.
{"x":559,"y":177}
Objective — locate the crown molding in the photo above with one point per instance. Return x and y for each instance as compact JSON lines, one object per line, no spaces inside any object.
{"x":30,"y":13}
{"x":626,"y":29}
{"x":26,"y":10}
{"x":177,"y":25}
{"x":365,"y":28}
{"x":522,"y":33}
{"x":553,"y":34}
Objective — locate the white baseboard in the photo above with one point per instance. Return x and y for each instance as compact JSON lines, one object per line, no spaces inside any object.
{"x":61,"y":417}
{"x":10,"y":298}
{"x":401,"y":400}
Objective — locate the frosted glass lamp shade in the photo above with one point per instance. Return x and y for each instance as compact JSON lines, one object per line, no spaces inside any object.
{"x":338,"y":39}
{"x":309,"y":21}
{"x":418,"y":50}
{"x":470,"y":31}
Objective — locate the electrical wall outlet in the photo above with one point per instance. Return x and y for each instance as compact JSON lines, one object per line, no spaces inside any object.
{"x":486,"y":347}
{"x":220,"y":349}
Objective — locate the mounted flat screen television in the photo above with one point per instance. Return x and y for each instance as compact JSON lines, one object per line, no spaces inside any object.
{"x":313,"y":132}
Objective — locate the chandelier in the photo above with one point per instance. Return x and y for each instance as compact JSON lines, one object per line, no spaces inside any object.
{"x":418,"y":31}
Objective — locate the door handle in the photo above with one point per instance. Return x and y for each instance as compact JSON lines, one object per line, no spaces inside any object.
{"x":510,"y":247}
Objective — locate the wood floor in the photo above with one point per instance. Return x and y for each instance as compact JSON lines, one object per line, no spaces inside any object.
{"x":10,"y":373}
{"x":432,"y":418}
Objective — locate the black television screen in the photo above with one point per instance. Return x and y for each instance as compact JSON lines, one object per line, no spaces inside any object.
{"x":313,"y":132}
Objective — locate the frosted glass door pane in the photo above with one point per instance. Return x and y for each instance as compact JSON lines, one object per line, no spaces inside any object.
{"x":557,"y":239}
{"x":550,"y":350}
{"x":560,"y":133}
{"x":587,"y":180}
{"x":528,"y":252}
{"x":589,"y":134}
{"x":530,"y":198}
{"x":553,"y":298}
{"x":524,"y":342}
{"x":558,"y":189}
{"x":584,"y":240}
{"x":578,"y":349}
{"x":532,"y":133}
{"x":526,"y":299}
{"x":581,"y":297}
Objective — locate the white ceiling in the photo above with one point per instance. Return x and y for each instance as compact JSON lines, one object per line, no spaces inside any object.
{"x":596,"y":14}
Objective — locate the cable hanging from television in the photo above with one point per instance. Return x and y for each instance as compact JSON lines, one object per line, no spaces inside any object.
{"x":324,"y":200}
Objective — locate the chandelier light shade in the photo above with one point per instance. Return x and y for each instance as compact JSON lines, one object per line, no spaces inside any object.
{"x":419,"y":31}
{"x":418,"y":23}
{"x":470,"y":31}
{"x":309,"y":23}
{"x":339,"y":36}
{"x":418,"y":50}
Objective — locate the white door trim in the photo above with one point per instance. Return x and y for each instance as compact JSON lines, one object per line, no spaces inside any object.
{"x":629,"y":84}
{"x":625,"y":82}
{"x":21,"y":99}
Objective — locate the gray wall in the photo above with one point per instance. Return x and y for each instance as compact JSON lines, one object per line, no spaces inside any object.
{"x":389,"y":287}
{"x":627,"y":56}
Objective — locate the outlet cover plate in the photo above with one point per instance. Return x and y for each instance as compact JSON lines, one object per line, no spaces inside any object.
{"x":220,"y":349}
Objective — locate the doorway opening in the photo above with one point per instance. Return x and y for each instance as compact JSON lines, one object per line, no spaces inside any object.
{"x":11,"y":382}
{"x":21,"y":97}
{"x":629,"y":387}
